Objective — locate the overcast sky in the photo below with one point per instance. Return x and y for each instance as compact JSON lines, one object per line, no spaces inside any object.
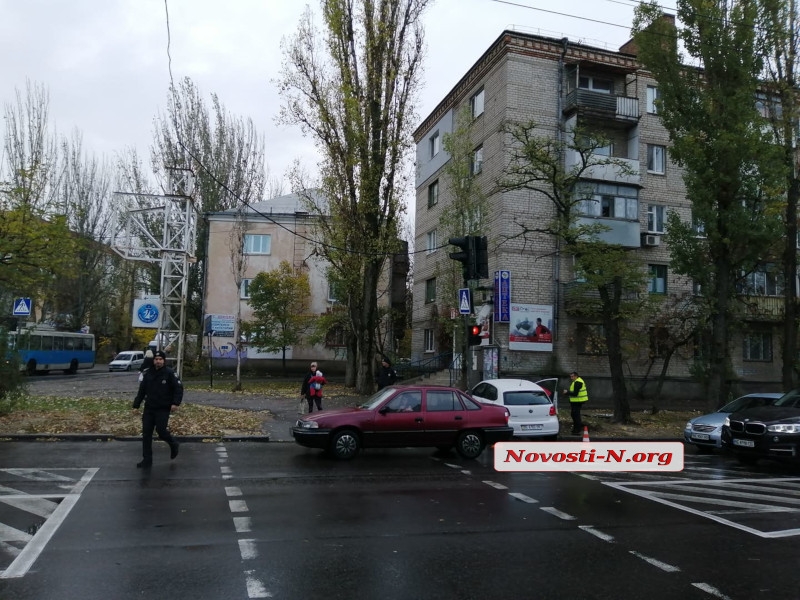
{"x":105,"y":62}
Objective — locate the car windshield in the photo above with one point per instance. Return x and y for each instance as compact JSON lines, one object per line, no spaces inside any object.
{"x":378,"y":397}
{"x":746,"y":402}
{"x":123,"y":356}
{"x":525,"y":398}
{"x":791,"y":399}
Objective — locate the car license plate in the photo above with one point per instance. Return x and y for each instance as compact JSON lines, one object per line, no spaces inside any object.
{"x":699,"y":436}
{"x":744,"y":443}
{"x":536,"y":427}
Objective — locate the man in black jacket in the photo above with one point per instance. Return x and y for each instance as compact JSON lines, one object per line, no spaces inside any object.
{"x":162,"y":392}
{"x":386,"y":374}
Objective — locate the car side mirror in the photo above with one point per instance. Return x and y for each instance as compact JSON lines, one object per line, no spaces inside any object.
{"x":383,"y":410}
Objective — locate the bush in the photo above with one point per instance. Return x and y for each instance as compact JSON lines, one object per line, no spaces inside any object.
{"x":11,"y":378}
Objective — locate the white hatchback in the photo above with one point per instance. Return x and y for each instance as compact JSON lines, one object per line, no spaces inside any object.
{"x":533,"y":413}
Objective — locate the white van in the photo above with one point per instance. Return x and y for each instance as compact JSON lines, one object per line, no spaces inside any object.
{"x":126,"y":361}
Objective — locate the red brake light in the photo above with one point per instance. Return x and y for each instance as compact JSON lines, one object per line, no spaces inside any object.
{"x":552,"y":411}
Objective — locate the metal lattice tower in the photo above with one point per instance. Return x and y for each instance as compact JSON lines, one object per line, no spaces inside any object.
{"x":138,"y":238}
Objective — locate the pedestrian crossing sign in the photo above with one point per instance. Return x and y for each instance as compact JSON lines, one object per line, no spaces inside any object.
{"x":22,"y":307}
{"x":464,"y":303}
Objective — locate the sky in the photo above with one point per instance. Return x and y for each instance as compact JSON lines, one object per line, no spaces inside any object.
{"x":105,"y":63}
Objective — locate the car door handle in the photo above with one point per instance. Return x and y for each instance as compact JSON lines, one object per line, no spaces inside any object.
{"x":418,"y":420}
{"x":459,"y":418}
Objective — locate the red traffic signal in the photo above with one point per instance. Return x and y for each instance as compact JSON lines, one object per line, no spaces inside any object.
{"x":474,"y":335}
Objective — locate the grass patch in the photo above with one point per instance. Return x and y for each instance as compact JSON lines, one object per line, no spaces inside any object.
{"x":57,"y":415}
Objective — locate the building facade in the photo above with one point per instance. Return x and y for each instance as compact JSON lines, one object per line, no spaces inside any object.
{"x":564,"y":86}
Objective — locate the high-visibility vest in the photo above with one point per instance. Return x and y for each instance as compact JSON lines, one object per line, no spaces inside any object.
{"x":583,"y":394}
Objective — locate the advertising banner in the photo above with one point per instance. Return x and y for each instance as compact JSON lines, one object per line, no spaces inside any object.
{"x":220,"y":325}
{"x":531,"y":327}
{"x":502,"y":296}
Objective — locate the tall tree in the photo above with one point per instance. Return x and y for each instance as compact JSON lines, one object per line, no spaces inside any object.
{"x":608,"y":277}
{"x":352,"y":88}
{"x":281,"y":300}
{"x":732,"y":169}
{"x":779,"y":105}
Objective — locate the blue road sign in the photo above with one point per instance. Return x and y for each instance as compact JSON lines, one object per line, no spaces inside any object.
{"x":22,"y":307}
{"x":464,"y":303}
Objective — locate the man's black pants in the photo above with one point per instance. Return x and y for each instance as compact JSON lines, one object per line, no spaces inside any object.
{"x":575,"y":413}
{"x":158,"y":420}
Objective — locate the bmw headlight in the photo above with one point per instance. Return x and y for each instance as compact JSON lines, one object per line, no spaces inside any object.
{"x":784,"y":428}
{"x":308,"y":424}
{"x":727,"y":422}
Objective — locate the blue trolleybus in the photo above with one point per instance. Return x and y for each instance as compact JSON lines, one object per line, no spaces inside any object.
{"x":41,"y":350}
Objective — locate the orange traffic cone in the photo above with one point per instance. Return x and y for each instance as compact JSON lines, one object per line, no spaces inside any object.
{"x":585,"y":433}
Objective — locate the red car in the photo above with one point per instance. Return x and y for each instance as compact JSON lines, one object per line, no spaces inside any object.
{"x":400,"y":417}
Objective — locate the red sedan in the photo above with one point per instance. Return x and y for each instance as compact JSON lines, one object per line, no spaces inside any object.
{"x":407,"y":416}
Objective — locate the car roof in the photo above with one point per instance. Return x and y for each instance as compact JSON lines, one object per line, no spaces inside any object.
{"x":505,"y":385}
{"x":763,"y":395}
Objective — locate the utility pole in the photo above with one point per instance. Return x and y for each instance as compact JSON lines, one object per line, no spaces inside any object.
{"x":173,"y":247}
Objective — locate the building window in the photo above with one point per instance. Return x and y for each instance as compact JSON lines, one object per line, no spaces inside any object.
{"x":334,"y":292}
{"x":435,"y":144}
{"x":658,"y":279}
{"x":257,"y":244}
{"x":431,"y":241}
{"x":476,"y":104}
{"x":430,"y":290}
{"x":656,"y":159}
{"x":244,"y":289}
{"x":765,"y":281}
{"x":433,"y":194}
{"x":591,"y":339}
{"x":655,"y":218}
{"x":429,"y":340}
{"x":652,"y":96}
{"x":698,"y":227}
{"x":335,"y":337}
{"x":757,"y":346}
{"x":659,"y":341}
{"x":476,"y":165}
{"x":596,"y":84}
{"x":609,"y":200}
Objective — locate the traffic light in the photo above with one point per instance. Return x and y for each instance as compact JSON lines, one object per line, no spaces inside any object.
{"x":464,"y":255}
{"x":473,"y":255}
{"x":474,"y":335}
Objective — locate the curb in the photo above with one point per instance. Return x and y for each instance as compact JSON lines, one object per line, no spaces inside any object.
{"x":106,"y":437}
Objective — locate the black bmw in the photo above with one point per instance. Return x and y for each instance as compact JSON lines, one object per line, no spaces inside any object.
{"x":765,"y":431}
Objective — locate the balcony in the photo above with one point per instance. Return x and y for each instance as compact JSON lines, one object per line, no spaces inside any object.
{"x":597,"y":106}
{"x":625,"y":170}
{"x":763,"y":308}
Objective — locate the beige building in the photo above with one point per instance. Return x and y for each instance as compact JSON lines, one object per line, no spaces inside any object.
{"x":277,"y":230}
{"x":561,"y":85}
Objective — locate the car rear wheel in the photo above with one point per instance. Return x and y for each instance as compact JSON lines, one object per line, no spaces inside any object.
{"x":470,"y":444}
{"x":345,"y":444}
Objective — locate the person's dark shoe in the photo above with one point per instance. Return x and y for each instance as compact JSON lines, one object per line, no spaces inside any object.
{"x":144,"y":464}
{"x":173,"y":450}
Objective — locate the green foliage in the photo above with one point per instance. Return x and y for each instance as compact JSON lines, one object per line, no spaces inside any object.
{"x":280,"y":300}
{"x":11,"y":382}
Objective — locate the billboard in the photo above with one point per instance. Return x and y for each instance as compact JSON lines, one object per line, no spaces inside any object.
{"x":147,"y":313}
{"x":531,"y":327}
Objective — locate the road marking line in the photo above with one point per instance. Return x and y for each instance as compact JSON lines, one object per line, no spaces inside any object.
{"x":656,"y":563}
{"x":255,"y":589}
{"x":709,"y":589}
{"x":233,"y":491}
{"x":242,"y":524}
{"x":497,"y":486}
{"x":603,"y":536}
{"x":557,"y":513}
{"x":238,"y":506}
{"x":39,"y":506}
{"x":12,"y":534}
{"x":247,"y":548}
{"x":452,"y":466}
{"x":523,"y":497}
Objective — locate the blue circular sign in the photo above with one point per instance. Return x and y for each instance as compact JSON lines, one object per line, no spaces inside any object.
{"x":147,"y":313}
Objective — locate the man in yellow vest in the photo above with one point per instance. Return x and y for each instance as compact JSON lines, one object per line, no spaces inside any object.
{"x":578,"y":394}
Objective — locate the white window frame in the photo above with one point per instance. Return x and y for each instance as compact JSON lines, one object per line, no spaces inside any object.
{"x":477,"y":103}
{"x":757,"y":347}
{"x":658,"y":284}
{"x":431,"y":242}
{"x":244,"y":289}
{"x":264,"y":239}
{"x":476,"y":164}
{"x":652,"y":96}
{"x":433,"y":194}
{"x":656,"y":159}
{"x":656,"y":217}
{"x":430,"y":290}
{"x":429,"y":341}
{"x":590,"y":84}
{"x":606,"y":200}
{"x":435,"y":144}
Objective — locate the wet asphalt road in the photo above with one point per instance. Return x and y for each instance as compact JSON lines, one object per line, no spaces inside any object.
{"x":253,"y":520}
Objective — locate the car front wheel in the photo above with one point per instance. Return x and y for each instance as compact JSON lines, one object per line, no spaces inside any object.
{"x":345,"y":444}
{"x":470,"y":444}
